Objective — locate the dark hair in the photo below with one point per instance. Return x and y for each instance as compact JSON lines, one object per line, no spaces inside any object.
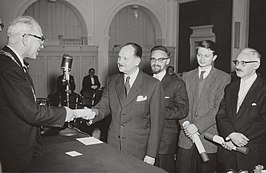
{"x":162,"y":48}
{"x":208,"y":44}
{"x":138,"y":49}
{"x":170,"y":67}
{"x":91,"y":69}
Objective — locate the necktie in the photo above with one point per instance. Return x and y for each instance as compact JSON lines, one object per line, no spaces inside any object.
{"x":127,"y":85}
{"x":201,"y":74}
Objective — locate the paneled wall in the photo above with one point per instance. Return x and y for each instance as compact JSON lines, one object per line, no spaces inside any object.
{"x":46,"y":68}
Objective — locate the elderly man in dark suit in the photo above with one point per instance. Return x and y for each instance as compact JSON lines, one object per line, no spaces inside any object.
{"x":136,"y":104}
{"x":176,"y":107}
{"x":20,"y":115}
{"x":205,"y":86}
{"x":241,"y":119}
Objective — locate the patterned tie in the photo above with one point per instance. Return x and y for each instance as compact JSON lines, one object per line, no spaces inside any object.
{"x":127,"y":85}
{"x":201,"y":75}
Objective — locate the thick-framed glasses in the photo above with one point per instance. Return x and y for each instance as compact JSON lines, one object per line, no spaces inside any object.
{"x":40,"y":38}
{"x":243,"y":63}
{"x":160,"y":60}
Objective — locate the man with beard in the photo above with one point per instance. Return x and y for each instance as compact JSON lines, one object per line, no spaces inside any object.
{"x":136,"y":104}
{"x":242,"y":115}
{"x":176,"y":107}
{"x":205,"y":86}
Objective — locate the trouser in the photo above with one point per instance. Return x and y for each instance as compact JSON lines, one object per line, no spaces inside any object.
{"x":189,"y":161}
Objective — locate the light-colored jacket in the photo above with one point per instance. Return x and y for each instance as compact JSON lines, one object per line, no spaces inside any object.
{"x":203,"y":110}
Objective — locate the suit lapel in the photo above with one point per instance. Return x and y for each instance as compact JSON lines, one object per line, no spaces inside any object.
{"x":251,"y":95}
{"x":135,"y":89}
{"x":233,"y":97}
{"x":120,"y":90}
{"x":194,"y":86}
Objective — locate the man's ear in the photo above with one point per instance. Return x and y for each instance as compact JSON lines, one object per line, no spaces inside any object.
{"x":257,"y":65}
{"x":214,"y":57}
{"x":167,"y":61}
{"x":25,"y":41}
{"x":138,"y":60}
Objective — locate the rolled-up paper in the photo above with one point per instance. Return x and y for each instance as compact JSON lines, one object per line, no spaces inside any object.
{"x":198,"y":144}
{"x":220,"y":140}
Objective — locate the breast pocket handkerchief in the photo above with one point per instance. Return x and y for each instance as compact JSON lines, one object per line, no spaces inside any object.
{"x":141,"y":98}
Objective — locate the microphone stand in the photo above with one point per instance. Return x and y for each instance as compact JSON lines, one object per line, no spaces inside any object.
{"x":69,"y":130}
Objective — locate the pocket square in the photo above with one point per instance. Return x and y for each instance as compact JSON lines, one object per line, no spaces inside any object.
{"x":141,"y":98}
{"x":166,"y":97}
{"x":254,"y":104}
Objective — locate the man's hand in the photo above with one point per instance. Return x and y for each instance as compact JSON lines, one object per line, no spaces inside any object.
{"x":228,"y":145}
{"x":190,"y":130}
{"x":239,"y":139}
{"x":94,"y":86}
{"x":149,"y":160}
{"x":70,"y":114}
{"x":85,"y":113}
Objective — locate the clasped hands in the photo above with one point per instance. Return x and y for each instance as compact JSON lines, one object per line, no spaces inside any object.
{"x":236,"y":140}
{"x":85,"y":113}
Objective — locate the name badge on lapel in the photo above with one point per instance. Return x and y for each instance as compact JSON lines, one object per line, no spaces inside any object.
{"x":141,"y":98}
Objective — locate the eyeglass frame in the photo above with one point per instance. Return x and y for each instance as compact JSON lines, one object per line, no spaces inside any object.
{"x":160,"y":60}
{"x":243,"y":63}
{"x":36,"y":36}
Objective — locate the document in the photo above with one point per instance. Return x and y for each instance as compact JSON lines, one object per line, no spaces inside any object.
{"x":89,"y":141}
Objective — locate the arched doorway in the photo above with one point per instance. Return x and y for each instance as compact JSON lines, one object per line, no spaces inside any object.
{"x":132,"y":23}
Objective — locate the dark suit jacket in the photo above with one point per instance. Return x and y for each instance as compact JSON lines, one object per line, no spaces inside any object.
{"x":20,"y":116}
{"x":203,"y":109}
{"x":61,"y":85}
{"x":250,"y":120}
{"x":137,"y":120}
{"x":86,"y":83}
{"x":176,"y":104}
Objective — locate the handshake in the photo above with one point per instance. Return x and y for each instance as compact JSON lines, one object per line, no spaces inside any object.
{"x":85,"y":113}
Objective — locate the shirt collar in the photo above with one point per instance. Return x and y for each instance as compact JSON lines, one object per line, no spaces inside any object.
{"x":207,"y":71}
{"x":133,"y":77}
{"x":19,"y":57}
{"x":160,"y":75}
{"x":250,"y":80}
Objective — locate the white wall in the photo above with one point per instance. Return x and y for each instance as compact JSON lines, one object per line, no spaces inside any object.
{"x":98,"y":15}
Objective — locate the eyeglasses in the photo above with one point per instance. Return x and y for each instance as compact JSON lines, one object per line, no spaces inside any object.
{"x":160,"y":60}
{"x":40,"y":38}
{"x":243,"y":63}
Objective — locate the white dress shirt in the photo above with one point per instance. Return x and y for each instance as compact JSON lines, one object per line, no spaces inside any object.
{"x":244,"y":88}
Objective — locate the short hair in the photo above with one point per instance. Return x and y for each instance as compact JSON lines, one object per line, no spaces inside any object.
{"x":20,"y":25}
{"x":251,"y":52}
{"x":91,"y":69}
{"x":138,"y":49}
{"x":170,"y":67}
{"x":161,"y":48}
{"x":208,"y":44}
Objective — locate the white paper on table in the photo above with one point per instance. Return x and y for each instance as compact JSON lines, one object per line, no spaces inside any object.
{"x":73,"y":153}
{"x":89,"y":141}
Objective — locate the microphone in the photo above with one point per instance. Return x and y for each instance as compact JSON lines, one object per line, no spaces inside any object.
{"x":220,"y":140}
{"x":198,"y":144}
{"x":66,"y":63}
